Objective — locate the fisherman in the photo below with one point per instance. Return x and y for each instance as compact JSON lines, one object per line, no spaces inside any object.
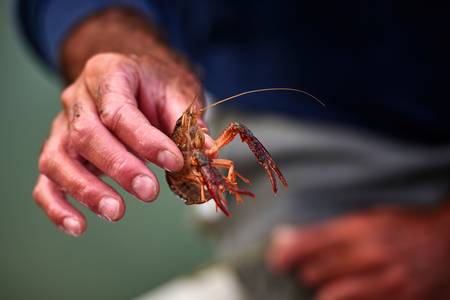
{"x":366,"y":215}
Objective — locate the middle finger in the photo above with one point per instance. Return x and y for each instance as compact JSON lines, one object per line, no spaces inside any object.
{"x":97,"y":145}
{"x":119,"y":112}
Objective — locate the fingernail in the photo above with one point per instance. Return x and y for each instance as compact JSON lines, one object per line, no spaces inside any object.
{"x":72,"y":226}
{"x":109,"y":208}
{"x":144,"y":187}
{"x":167,"y":160}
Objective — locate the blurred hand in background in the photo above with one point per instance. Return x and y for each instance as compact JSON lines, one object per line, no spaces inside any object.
{"x":383,"y":254}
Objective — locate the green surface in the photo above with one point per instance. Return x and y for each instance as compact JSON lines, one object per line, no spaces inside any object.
{"x":153,"y":243}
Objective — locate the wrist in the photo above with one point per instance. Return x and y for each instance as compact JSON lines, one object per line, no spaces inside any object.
{"x":117,"y":30}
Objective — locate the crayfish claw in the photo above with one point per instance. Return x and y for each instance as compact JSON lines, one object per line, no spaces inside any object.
{"x":262,"y":156}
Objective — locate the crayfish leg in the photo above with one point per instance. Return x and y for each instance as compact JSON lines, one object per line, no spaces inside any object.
{"x":232,"y":173}
{"x":232,"y":185}
{"x":238,"y":192}
{"x":217,"y":195}
{"x":262,"y":155}
{"x":214,"y":181}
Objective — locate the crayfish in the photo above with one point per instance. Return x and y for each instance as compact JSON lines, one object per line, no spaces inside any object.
{"x":200,"y":179}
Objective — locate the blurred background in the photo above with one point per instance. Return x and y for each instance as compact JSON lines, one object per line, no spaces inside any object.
{"x":37,"y":261}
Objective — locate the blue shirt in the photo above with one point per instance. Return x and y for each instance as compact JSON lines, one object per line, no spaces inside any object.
{"x":382,"y":66}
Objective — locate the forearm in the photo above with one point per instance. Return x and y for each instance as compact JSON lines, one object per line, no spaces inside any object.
{"x":117,"y":30}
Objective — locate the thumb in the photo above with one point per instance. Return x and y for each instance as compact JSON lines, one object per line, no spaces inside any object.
{"x":175,"y":105}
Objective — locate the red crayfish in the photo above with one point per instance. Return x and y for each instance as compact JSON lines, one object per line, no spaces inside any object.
{"x":200,"y":179}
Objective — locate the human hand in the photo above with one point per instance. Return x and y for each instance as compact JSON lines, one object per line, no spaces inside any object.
{"x":117,"y":115}
{"x":384,"y":254}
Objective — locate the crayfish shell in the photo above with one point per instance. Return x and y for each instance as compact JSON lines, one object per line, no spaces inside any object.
{"x":188,"y":191}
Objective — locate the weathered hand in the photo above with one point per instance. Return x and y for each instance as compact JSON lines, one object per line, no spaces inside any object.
{"x":117,"y":115}
{"x":384,"y":254}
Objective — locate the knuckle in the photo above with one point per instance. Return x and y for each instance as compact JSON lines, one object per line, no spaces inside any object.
{"x":97,"y":60}
{"x":82,"y":130}
{"x":67,"y":95}
{"x":51,"y":207}
{"x":75,"y":111}
{"x":43,"y":163}
{"x":115,"y":90}
{"x":53,"y":212}
{"x":83,"y":193}
{"x":107,"y":61}
{"x":117,"y":85}
{"x":47,"y":160}
{"x":111,"y":115}
{"x":116,"y":165}
{"x":37,"y":195}
{"x":146,"y":146}
{"x":93,"y":61}
{"x":123,"y":64}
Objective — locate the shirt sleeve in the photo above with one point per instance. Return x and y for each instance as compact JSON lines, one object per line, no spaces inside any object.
{"x":45,"y":23}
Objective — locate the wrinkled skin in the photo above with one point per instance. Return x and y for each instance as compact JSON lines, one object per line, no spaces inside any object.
{"x":116,"y":116}
{"x":379,"y":255}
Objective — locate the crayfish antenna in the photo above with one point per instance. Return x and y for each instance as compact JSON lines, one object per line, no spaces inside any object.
{"x":261,"y":91}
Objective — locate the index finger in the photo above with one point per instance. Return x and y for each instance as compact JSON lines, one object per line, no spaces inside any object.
{"x":114,"y":97}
